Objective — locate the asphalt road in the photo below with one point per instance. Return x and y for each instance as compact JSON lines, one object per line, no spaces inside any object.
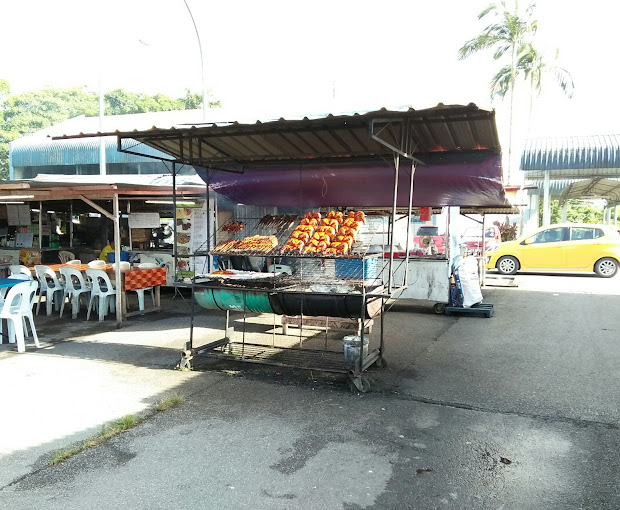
{"x":519,"y":411}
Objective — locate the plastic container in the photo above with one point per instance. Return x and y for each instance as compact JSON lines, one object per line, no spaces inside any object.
{"x":351,"y":345}
{"x":357,"y":269}
{"x":224,"y":299}
{"x":112,"y":257}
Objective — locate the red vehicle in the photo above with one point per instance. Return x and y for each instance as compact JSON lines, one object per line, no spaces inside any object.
{"x":471,"y":240}
{"x":427,"y":238}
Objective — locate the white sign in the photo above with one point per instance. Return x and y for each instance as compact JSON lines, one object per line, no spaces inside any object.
{"x":144,"y":220}
{"x":18,"y":215}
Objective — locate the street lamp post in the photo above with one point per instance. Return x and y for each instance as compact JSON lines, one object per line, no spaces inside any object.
{"x":202,"y":65}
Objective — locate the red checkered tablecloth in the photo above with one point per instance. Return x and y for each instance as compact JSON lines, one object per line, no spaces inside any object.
{"x":79,"y":267}
{"x":142,"y":278}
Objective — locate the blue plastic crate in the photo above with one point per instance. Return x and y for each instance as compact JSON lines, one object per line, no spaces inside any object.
{"x":357,"y":269}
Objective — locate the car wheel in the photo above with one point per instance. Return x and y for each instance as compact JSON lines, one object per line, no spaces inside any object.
{"x":606,"y":268}
{"x":507,"y":265}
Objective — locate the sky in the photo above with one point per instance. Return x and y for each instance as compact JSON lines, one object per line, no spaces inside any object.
{"x":313,"y":57}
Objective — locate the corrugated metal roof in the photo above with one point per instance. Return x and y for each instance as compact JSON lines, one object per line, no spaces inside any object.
{"x":80,"y":151}
{"x":581,"y":156}
{"x":321,"y":137}
{"x":557,"y":186}
{"x":607,"y":189}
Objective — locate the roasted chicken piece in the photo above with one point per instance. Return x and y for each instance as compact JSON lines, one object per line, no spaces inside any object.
{"x":335,"y":215}
{"x":360,"y":216}
{"x":330,"y":222}
{"x":309,"y":221}
{"x":304,"y":228}
{"x":301,"y":235}
{"x":344,"y":239}
{"x":328,"y":230}
{"x":352,"y":222}
{"x":340,"y":247}
{"x":322,"y":236}
{"x":347,"y":231}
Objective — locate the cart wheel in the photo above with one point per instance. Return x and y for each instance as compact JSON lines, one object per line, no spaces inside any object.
{"x":381,"y":363}
{"x":361,"y":384}
{"x":439,"y":308}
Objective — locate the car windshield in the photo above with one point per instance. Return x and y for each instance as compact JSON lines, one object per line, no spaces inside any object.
{"x":428,"y":231}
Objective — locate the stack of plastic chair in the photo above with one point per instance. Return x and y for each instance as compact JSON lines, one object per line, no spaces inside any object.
{"x":65,"y":256}
{"x":51,"y":286}
{"x":75,"y":286}
{"x":102,"y":292}
{"x":17,"y":309}
{"x":19,"y":269}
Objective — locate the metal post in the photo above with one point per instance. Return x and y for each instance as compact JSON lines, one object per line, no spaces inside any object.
{"x":484,"y":250}
{"x":102,"y":162}
{"x":174,"y":217}
{"x":70,"y":224}
{"x":409,"y":223}
{"x":546,"y":201}
{"x":202,"y":65}
{"x":396,"y":167}
{"x":41,"y":230}
{"x":117,"y":258}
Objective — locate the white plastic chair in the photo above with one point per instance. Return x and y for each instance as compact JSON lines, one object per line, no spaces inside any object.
{"x":52,"y":287}
{"x":101,"y":292}
{"x":17,"y":308}
{"x":75,"y":262}
{"x":65,"y":256}
{"x":19,"y":269}
{"x":140,"y":293}
{"x":75,"y":286}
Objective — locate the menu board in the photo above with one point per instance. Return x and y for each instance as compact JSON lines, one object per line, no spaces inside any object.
{"x":191,"y":234}
{"x":144,"y":220}
{"x":18,"y":215}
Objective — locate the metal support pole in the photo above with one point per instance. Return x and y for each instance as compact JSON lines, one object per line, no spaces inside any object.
{"x":406,"y":282}
{"x":41,"y":230}
{"x":174,"y":217}
{"x":484,"y":250}
{"x":390,"y":275}
{"x":117,"y":258}
{"x":70,"y":224}
{"x":546,"y":201}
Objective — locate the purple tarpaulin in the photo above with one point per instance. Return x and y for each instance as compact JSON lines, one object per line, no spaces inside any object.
{"x":472,"y":179}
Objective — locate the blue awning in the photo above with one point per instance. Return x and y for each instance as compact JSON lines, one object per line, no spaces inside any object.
{"x":572,"y":154}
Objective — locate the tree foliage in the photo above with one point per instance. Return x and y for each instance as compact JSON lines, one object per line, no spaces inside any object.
{"x":577,"y":212}
{"x":25,"y":113}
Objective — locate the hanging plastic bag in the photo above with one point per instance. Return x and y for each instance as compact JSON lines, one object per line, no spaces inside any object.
{"x":467,"y":274}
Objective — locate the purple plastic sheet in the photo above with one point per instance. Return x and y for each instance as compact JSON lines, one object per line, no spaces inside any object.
{"x":472,"y":179}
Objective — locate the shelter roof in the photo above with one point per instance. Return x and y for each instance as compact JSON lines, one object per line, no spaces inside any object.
{"x":607,"y":189}
{"x":66,"y":187}
{"x":366,"y":135}
{"x":572,"y":157}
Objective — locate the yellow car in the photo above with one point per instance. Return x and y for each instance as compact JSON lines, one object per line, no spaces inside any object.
{"x":562,"y":247}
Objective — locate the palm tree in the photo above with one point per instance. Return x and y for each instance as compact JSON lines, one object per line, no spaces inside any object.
{"x":509,"y":34}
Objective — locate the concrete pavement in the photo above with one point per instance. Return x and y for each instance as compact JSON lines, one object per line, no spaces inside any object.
{"x":516,"y":411}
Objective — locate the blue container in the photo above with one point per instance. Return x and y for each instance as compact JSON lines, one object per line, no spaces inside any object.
{"x":357,"y":269}
{"x":112,"y":257}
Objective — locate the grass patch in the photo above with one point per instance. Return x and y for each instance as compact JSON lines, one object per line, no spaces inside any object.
{"x":168,"y":402}
{"x":115,"y":428}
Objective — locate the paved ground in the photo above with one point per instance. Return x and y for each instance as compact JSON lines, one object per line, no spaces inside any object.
{"x":517,"y":411}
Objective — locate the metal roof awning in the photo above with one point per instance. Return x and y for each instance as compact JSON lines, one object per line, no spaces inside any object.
{"x":591,"y":189}
{"x":456,"y":149}
{"x":573,"y":157}
{"x":67,"y":187}
{"x":368,"y":135}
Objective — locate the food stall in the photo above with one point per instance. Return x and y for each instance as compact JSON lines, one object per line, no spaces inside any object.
{"x":334,"y":164}
{"x":74,"y":212}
